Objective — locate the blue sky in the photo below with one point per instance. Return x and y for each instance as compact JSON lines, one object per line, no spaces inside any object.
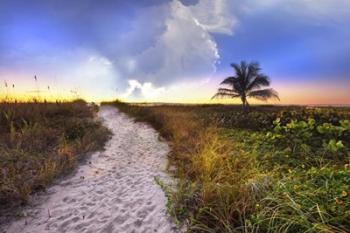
{"x":294,"y":40}
{"x":173,"y":50}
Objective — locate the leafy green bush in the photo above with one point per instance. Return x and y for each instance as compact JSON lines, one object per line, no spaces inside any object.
{"x":273,"y":169}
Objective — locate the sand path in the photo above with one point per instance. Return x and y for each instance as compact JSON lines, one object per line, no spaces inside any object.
{"x":114,"y":191}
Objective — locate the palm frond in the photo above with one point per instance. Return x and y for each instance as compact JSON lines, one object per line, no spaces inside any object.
{"x":253,"y":70}
{"x":247,"y":82}
{"x":234,"y":82}
{"x":264,"y":94}
{"x":244,"y":67}
{"x":237,"y":86}
{"x":225,"y":92}
{"x":223,"y":95}
{"x":259,"y":81}
{"x":237,"y":69}
{"x":229,"y":80}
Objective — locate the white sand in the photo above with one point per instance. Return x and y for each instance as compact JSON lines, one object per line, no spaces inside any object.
{"x":114,"y":191}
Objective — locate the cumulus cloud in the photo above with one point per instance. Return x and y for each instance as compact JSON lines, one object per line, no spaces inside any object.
{"x":143,"y":90}
{"x":185,"y":48}
{"x":214,"y":16}
{"x":154,"y":45}
{"x":148,"y":48}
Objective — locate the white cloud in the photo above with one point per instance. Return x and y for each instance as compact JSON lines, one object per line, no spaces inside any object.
{"x":156,"y":46}
{"x":147,"y":90}
{"x":184,"y":49}
{"x":214,"y":16}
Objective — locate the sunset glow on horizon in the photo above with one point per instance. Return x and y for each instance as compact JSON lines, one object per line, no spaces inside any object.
{"x":174,"y":51}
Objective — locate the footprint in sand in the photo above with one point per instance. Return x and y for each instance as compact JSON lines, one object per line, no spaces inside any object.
{"x":117,"y":192}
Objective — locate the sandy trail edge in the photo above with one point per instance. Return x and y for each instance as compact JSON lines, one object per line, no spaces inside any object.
{"x":116,"y":192}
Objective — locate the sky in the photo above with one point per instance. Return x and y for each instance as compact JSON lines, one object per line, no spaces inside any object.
{"x":173,"y":50}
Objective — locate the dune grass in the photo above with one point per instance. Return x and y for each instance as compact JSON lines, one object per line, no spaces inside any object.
{"x":272,"y":169}
{"x":41,"y":141}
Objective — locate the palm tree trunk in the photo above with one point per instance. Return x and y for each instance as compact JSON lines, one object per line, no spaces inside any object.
{"x":245,"y":104}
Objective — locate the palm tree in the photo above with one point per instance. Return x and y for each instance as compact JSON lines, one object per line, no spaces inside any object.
{"x":247,"y":82}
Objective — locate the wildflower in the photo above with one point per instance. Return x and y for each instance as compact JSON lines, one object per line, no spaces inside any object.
{"x":290,"y":170}
{"x":344,"y":194}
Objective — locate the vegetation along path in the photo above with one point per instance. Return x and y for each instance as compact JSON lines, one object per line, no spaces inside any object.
{"x":115,"y":191}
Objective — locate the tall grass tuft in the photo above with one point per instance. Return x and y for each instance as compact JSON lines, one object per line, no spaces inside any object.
{"x":273,"y":169}
{"x":41,"y":141}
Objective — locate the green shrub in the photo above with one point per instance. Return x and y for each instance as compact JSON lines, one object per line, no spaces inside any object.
{"x":273,"y":169}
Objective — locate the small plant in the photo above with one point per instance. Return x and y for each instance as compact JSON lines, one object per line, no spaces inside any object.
{"x":272,"y":169}
{"x":41,"y":141}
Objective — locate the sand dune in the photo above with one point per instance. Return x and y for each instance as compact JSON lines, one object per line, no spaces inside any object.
{"x":114,"y":191}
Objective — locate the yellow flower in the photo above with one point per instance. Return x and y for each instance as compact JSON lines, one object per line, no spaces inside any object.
{"x":344,"y":194}
{"x":290,"y":170}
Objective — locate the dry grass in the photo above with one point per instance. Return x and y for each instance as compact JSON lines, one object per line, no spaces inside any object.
{"x":236,"y":172}
{"x":41,"y":141}
{"x":216,"y":190}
